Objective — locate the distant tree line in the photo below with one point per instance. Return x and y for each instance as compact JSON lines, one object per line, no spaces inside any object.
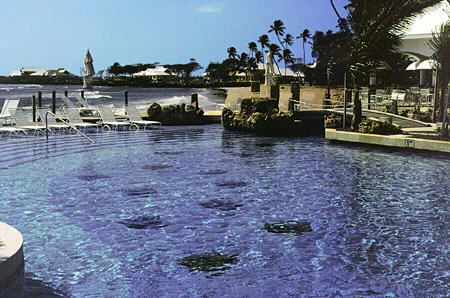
{"x":118,"y":70}
{"x":183,"y":71}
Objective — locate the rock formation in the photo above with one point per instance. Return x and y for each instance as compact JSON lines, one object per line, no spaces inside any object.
{"x":179,"y":114}
{"x":259,"y":115}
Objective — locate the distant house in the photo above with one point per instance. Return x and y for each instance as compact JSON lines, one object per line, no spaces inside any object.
{"x":58,"y":72}
{"x":28,"y":71}
{"x":157,"y":74}
{"x":416,"y":38}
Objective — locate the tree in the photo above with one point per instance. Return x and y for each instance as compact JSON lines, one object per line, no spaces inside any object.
{"x":288,"y":59}
{"x":183,"y":71}
{"x":232,"y":53}
{"x":264,"y":42}
{"x":440,"y":44}
{"x":252,"y":48}
{"x":376,"y":28}
{"x":259,"y":56}
{"x":277,"y":28}
{"x":274,"y":50}
{"x":288,"y":40}
{"x":304,"y":36}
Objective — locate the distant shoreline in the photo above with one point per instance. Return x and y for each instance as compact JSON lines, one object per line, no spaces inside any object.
{"x":141,"y":82}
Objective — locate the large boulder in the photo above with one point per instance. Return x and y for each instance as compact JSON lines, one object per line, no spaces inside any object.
{"x":178,"y":114}
{"x":379,"y":127}
{"x":258,"y":115}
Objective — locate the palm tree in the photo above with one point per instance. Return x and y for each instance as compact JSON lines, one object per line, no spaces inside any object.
{"x":259,"y":56}
{"x":252,"y":48}
{"x":277,"y":28}
{"x":287,"y":57}
{"x":274,"y":50}
{"x":376,"y":28}
{"x":288,"y":40}
{"x":264,"y":42}
{"x":440,"y":44}
{"x":304,"y":36}
{"x":232,"y":53}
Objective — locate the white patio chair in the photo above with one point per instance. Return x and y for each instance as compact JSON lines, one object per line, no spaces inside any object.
{"x":108,"y":119}
{"x":75,"y":119}
{"x":9,"y":107}
{"x":51,"y":120}
{"x":135,"y":117}
{"x":21,"y":121}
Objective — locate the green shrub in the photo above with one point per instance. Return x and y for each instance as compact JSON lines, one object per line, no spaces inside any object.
{"x":379,"y":127}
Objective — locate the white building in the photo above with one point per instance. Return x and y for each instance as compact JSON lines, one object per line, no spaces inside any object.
{"x":28,"y":71}
{"x":157,"y":73}
{"x":416,"y":38}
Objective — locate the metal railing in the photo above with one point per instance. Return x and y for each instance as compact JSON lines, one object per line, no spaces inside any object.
{"x":66,"y":123}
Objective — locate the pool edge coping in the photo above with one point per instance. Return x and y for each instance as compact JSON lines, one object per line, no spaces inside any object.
{"x":11,"y":254}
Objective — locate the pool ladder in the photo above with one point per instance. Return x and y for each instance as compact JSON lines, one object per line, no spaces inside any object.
{"x":66,"y":123}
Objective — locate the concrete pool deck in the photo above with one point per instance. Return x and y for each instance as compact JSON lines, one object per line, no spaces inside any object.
{"x":399,"y":141}
{"x":11,"y":254}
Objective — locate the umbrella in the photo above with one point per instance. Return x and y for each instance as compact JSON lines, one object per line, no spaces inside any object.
{"x":88,"y":66}
{"x":422,"y":65}
{"x":427,"y":64}
{"x":413,"y":66}
{"x":270,"y":72}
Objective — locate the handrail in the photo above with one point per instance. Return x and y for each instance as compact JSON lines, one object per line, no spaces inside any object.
{"x":66,"y":123}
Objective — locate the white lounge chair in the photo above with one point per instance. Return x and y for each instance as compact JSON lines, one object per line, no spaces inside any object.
{"x":51,"y":120}
{"x":75,"y":119}
{"x":135,"y":117}
{"x":67,"y":102}
{"x":9,"y":107}
{"x":21,"y":121}
{"x":81,"y":101}
{"x":108,"y":119}
{"x":11,"y":129}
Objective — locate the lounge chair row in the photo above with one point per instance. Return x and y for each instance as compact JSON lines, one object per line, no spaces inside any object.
{"x":72,"y":119}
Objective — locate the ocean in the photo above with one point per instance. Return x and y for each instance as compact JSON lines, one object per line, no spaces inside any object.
{"x":142,"y":97}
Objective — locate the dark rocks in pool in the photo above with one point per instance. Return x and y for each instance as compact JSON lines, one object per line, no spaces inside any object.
{"x":232,"y":184}
{"x":139,"y":191}
{"x":290,"y":226}
{"x":208,"y":262}
{"x":212,"y":172}
{"x":220,"y":204}
{"x":155,"y":167}
{"x":178,"y":114}
{"x":143,"y":222}
{"x":92,"y":177}
{"x":169,"y":152}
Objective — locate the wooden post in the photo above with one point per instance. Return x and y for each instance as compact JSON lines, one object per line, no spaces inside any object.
{"x":39,"y":99}
{"x":82,"y":93}
{"x":33,"y":107}
{"x":126,"y":97}
{"x":66,"y":93}
{"x":194,"y":100}
{"x":53,"y":101}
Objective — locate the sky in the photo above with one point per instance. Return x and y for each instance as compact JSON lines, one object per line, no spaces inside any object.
{"x":57,"y":33}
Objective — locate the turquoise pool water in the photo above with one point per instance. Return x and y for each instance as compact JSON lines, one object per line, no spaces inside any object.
{"x":378,"y":218}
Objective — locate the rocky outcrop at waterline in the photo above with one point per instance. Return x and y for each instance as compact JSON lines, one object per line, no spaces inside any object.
{"x":259,"y":115}
{"x":178,"y":114}
{"x":291,"y":226}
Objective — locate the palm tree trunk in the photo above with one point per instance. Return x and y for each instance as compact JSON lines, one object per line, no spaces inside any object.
{"x":357,"y":109}
{"x":304,"y":57}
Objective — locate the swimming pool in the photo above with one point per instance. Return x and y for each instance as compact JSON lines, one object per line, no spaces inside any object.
{"x":378,"y":218}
